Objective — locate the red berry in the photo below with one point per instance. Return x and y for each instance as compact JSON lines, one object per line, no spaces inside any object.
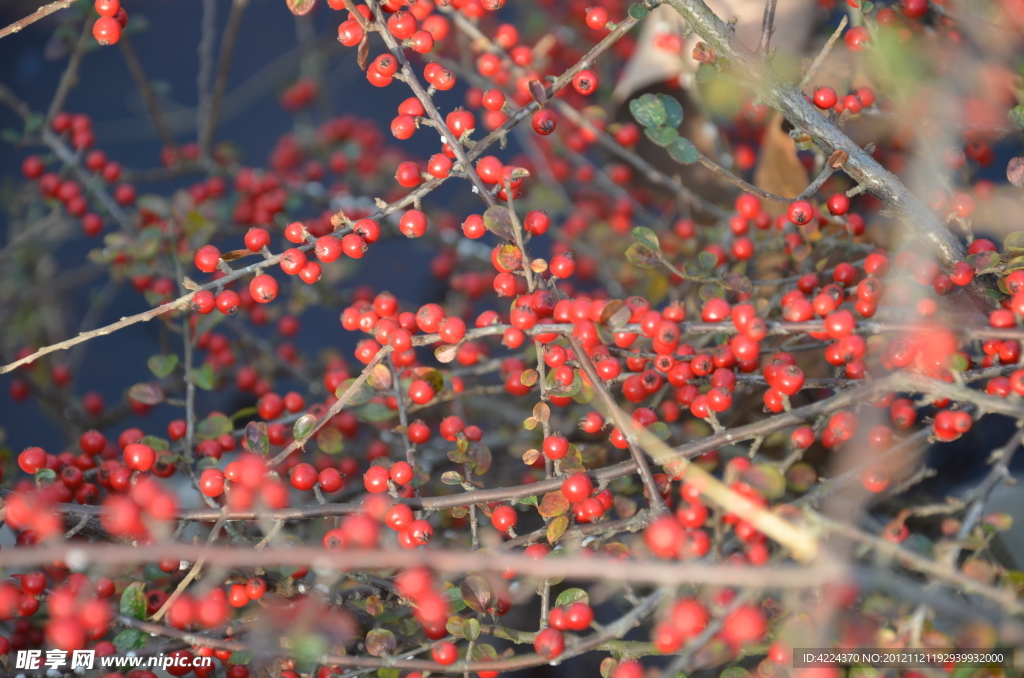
{"x":555,"y":447}
{"x":825,"y":97}
{"x":106,"y":30}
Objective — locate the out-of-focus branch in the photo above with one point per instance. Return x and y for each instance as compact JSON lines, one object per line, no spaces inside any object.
{"x":860,"y":166}
{"x":149,"y":98}
{"x":227,"y":50}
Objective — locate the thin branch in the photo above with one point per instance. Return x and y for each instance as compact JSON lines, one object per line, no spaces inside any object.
{"x":577,"y":568}
{"x":227,"y":50}
{"x":820,"y":59}
{"x":624,"y":425}
{"x":790,"y":101}
{"x":69,"y":78}
{"x":409,"y":77}
{"x":204,"y":79}
{"x":999,"y":472}
{"x":44,"y":11}
{"x":149,"y":97}
{"x":767,"y":27}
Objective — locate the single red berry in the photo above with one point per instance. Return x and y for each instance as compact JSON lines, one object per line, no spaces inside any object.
{"x":504,"y":518}
{"x":106,"y":30}
{"x":555,"y":447}
{"x":825,"y":97}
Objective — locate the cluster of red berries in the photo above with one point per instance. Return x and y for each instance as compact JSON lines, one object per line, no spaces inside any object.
{"x":107,"y":29}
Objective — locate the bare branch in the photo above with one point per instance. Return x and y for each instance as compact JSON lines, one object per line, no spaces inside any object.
{"x":35,"y":16}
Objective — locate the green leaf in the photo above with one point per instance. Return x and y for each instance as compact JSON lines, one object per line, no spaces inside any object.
{"x":530,"y":501}
{"x":641,"y":256}
{"x":708,"y":261}
{"x":203,"y":377}
{"x":374,"y":412}
{"x":498,"y":220}
{"x":34,"y":123}
{"x":146,"y":393}
{"x":133,"y":601}
{"x":387,"y":673}
{"x":129,"y":639}
{"x":673,"y":111}
{"x":647,"y":238}
{"x":454,"y":597}
{"x":241,"y":657}
{"x":158,"y":444}
{"x":45,"y":476}
{"x":1014,"y":241}
{"x":308,"y":647}
{"x":330,"y":440}
{"x":648,"y":110}
{"x":483,"y":652}
{"x":455,"y":625}
{"x":1016,"y":116}
{"x":767,"y":479}
{"x":451,"y":478}
{"x":706,"y":73}
{"x":663,"y":136}
{"x":556,"y":528}
{"x":637,"y":11}
{"x":471,"y":629}
{"x":213,"y":427}
{"x":570,"y":596}
{"x":244,"y":413}
{"x":257,"y":438}
{"x":303,"y":427}
{"x":657,"y":431}
{"x":557,"y":389}
{"x":362,"y":395}
{"x":683,"y":151}
{"x":711,"y":291}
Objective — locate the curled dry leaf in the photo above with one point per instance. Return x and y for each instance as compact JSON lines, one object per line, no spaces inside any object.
{"x":838,"y":158}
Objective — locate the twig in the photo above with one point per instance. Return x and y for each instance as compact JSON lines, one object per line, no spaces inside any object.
{"x":624,"y":425}
{"x":227,"y":50}
{"x":35,"y":16}
{"x":790,"y":101}
{"x":822,"y":55}
{"x":720,"y":171}
{"x":204,"y":79}
{"x":183,"y":584}
{"x":69,"y":78}
{"x":149,"y":98}
{"x":1005,"y":598}
{"x":447,"y":136}
{"x":999,"y":472}
{"x":576,"y":568}
{"x":767,"y":27}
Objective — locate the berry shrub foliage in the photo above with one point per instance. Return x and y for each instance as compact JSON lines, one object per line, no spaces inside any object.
{"x":674,"y":432}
